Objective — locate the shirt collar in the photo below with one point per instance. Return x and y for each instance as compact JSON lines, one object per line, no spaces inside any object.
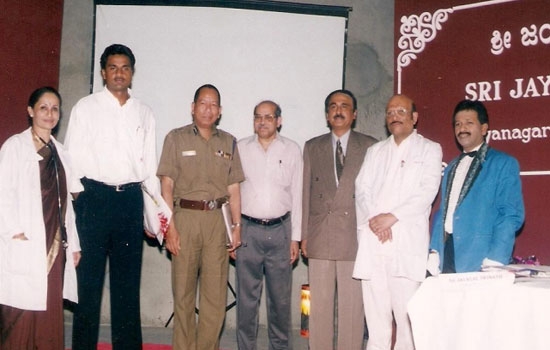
{"x":196,"y":130}
{"x":406,"y":141}
{"x":276,"y":139}
{"x":343,"y":139}
{"x":475,"y":149}
{"x":112,"y":97}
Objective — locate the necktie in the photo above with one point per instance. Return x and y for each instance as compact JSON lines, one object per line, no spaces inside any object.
{"x":340,"y":158}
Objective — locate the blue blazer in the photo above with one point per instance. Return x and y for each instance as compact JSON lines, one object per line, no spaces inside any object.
{"x":488,"y":214}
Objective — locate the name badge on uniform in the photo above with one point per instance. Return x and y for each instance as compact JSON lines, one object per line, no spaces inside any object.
{"x":223,"y":154}
{"x":189,"y":153}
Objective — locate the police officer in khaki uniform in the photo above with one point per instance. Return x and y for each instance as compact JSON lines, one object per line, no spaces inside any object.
{"x":200,"y":169}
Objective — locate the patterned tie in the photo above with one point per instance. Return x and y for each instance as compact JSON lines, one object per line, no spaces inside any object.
{"x":340,"y":158}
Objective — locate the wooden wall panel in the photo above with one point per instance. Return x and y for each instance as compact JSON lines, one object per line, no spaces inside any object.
{"x":497,"y":52}
{"x":30,"y":40}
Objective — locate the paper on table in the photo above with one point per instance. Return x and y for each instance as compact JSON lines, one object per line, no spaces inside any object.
{"x":526,"y":270}
{"x":228,"y":220}
{"x":498,"y":278}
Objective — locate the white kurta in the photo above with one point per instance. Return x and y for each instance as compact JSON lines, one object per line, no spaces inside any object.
{"x":23,"y":266}
{"x":403,"y":181}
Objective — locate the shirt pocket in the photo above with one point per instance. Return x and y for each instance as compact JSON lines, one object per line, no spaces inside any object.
{"x":187,"y":163}
{"x":283,"y":173}
{"x":221,"y":165}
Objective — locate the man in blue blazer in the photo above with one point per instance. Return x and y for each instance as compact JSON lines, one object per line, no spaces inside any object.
{"x":481,"y":206}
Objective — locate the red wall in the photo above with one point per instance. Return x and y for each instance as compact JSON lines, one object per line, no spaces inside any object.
{"x":30,"y":40}
{"x":469,"y":46}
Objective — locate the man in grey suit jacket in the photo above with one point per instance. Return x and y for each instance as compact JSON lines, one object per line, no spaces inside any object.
{"x":329,"y":230}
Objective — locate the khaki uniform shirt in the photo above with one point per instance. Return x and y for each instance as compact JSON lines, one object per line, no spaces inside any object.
{"x":201,"y":169}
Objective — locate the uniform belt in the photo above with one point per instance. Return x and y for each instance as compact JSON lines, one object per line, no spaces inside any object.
{"x":116,"y":188}
{"x":267,"y":222}
{"x":203,"y":204}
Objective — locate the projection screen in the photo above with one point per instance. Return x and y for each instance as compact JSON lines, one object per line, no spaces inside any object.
{"x":249,"y":54}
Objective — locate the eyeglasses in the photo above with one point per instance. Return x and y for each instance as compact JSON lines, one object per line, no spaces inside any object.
{"x":266,"y":118}
{"x":399,"y":112}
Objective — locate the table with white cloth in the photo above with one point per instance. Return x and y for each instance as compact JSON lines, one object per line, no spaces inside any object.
{"x":481,"y":310}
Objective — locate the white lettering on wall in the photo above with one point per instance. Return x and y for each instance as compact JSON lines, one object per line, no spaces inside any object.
{"x":531,"y":88}
{"x":523,"y":88}
{"x":525,"y":134}
{"x":483,"y":91}
{"x":500,"y":41}
{"x":530,"y":36}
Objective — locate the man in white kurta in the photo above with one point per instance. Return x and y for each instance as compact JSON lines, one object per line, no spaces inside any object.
{"x":395,"y":188}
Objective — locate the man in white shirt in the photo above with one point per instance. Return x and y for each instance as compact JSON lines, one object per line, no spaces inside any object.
{"x":271,"y":200}
{"x":111,"y":139}
{"x":394,"y":191}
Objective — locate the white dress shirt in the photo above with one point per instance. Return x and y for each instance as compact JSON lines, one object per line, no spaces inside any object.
{"x":111,"y":143}
{"x":273,"y":180}
{"x":456,"y":187}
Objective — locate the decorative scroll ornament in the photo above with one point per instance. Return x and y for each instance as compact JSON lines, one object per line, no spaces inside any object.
{"x":416,"y":32}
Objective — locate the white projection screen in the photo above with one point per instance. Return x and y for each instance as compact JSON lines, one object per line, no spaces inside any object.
{"x":283,"y":52}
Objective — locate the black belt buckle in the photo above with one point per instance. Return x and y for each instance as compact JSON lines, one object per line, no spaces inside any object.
{"x":266,"y":222}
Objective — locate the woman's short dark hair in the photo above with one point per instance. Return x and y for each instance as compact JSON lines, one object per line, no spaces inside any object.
{"x":117,"y":49}
{"x":36,"y":94}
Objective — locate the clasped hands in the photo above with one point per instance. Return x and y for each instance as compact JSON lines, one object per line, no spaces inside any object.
{"x":381,"y":225}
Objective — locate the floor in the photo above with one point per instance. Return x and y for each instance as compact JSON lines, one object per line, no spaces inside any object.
{"x":163,"y":335}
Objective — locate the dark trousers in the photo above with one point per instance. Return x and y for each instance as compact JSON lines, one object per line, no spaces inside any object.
{"x":449,"y":255}
{"x":110,"y":225}
{"x":267,"y":254}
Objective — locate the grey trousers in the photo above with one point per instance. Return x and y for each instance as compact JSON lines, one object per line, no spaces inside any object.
{"x":267,"y":253}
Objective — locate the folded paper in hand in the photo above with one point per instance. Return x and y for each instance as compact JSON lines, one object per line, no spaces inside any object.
{"x":156,"y":214}
{"x":227,"y":218}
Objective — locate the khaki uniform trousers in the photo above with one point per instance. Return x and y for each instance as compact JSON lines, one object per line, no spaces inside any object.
{"x":202,"y":262}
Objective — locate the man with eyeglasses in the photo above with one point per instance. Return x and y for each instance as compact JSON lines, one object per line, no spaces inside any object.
{"x":394,"y":192}
{"x":271,"y":207}
{"x":329,"y":231}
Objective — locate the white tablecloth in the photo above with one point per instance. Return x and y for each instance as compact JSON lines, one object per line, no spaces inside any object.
{"x":471,"y":316}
